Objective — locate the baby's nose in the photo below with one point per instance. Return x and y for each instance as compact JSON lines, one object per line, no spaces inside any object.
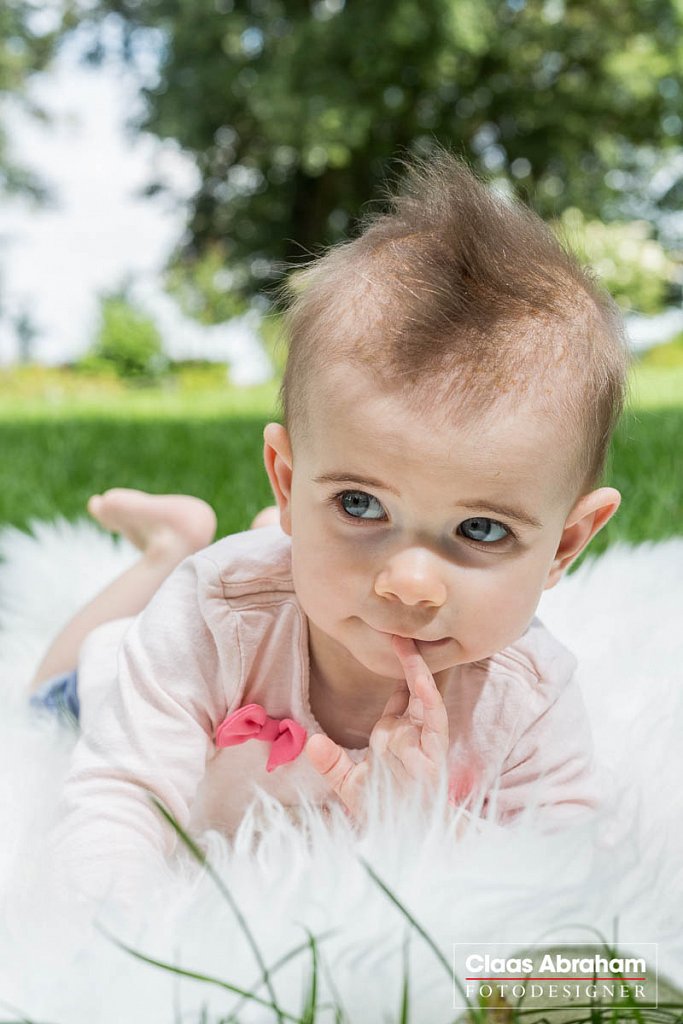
{"x":412,"y":577}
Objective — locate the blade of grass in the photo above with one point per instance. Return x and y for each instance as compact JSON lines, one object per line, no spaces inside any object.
{"x":196,"y":975}
{"x":272,"y":970}
{"x":21,"y":1020}
{"x":225,"y":892}
{"x":265,"y":971}
{"x":475,"y":1013}
{"x":587,"y":1006}
{"x":629,"y":998}
{"x":405,"y":989}
{"x":340,"y":1015}
{"x":612,"y":952}
{"x":15,"y":1009}
{"x":177,"y":1011}
{"x":310,"y":1006}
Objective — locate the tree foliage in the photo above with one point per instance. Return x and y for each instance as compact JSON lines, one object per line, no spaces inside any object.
{"x":627,"y":260}
{"x":28,"y":37}
{"x":293,"y":108}
{"x":127,"y":343}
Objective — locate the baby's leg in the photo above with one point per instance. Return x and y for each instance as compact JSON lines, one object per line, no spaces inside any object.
{"x":269,"y":516}
{"x":166,"y":528}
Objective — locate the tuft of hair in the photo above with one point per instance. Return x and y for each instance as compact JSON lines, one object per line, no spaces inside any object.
{"x":462,"y":298}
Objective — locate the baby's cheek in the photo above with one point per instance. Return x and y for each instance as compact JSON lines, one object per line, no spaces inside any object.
{"x":497,"y":609}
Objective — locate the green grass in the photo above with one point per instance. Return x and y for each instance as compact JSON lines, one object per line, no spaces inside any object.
{"x":51,"y":467}
{"x":30,"y":394}
{"x":67,"y":439}
{"x":655,"y":387}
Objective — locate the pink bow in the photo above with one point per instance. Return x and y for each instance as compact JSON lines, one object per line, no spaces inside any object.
{"x":287,"y":737}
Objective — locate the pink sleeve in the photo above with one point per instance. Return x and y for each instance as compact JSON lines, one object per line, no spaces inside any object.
{"x":551,"y":766}
{"x":152,"y":735}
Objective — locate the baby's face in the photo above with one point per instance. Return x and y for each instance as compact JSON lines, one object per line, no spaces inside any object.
{"x":400,"y":525}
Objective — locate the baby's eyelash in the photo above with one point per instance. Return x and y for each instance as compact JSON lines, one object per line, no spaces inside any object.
{"x":336,"y":504}
{"x":511,"y":535}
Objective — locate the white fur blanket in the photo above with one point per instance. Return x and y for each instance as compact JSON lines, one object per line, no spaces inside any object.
{"x":618,"y":614}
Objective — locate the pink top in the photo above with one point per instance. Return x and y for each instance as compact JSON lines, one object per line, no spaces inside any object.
{"x":226,"y":631}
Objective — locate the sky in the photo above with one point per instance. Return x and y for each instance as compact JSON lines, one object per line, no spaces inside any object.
{"x":98,"y":230}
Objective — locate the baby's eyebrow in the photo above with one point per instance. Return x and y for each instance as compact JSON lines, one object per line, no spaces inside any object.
{"x":473,"y":505}
{"x":345,"y":478}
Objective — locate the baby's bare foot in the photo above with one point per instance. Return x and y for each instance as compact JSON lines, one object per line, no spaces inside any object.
{"x":268,"y":516}
{"x":164,"y":526}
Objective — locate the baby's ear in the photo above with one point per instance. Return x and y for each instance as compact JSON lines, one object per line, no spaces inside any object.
{"x":277,"y":456}
{"x":589,"y":514}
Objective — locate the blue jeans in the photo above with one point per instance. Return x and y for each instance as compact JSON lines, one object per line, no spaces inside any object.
{"x":59,"y":696}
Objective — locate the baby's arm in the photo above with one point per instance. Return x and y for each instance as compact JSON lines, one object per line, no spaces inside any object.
{"x":551,"y":765}
{"x":152,"y":735}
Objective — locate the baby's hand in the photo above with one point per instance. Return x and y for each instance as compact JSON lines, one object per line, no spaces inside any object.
{"x":411,"y":737}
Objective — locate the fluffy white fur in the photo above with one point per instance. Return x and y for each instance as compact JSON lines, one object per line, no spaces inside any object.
{"x":496,"y":885}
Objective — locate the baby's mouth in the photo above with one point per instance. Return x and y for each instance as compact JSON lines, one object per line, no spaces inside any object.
{"x":416,"y":639}
{"x":429,"y":644}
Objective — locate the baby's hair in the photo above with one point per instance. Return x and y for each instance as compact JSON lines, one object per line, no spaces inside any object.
{"x":462,"y":299}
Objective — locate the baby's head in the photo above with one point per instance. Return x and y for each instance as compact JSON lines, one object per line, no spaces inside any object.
{"x":453,"y":381}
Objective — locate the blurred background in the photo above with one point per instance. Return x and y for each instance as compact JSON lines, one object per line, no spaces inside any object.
{"x":164,"y":162}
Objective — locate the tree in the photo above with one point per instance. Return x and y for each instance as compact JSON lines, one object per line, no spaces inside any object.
{"x":293,"y":108}
{"x":127,"y":342}
{"x":29,"y":34}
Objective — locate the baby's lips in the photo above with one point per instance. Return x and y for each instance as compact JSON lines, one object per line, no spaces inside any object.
{"x":403,"y":644}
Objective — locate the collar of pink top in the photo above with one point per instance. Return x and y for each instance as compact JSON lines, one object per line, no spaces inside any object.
{"x":286,"y":737}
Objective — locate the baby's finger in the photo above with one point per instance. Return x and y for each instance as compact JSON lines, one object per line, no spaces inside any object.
{"x":426,"y":705}
{"x":335,"y":765}
{"x":398,"y":702}
{"x":416,"y":670}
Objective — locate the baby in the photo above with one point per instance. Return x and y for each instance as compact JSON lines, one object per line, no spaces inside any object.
{"x":452,"y":383}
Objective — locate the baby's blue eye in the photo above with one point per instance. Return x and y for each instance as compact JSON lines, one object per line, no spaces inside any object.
{"x":482,"y":529}
{"x":361,"y":505}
